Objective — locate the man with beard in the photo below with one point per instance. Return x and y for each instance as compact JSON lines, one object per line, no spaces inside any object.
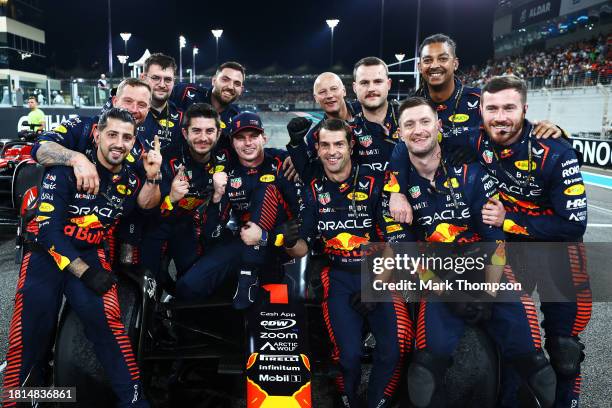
{"x":457,"y":106}
{"x":70,"y":143}
{"x":448,"y":201}
{"x":192,"y":172}
{"x":227,"y":86}
{"x":330,"y":94}
{"x":261,"y":199}
{"x":374,"y":126}
{"x":345,"y":207}
{"x":542,"y":199}
{"x":66,"y":257}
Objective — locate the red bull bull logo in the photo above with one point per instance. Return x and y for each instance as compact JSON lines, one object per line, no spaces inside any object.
{"x":446,"y":232}
{"x":190,"y":203}
{"x":513,"y":228}
{"x":392,"y":185}
{"x":59,"y":259}
{"x":87,"y":221}
{"x":521,"y":203}
{"x":346,"y":242}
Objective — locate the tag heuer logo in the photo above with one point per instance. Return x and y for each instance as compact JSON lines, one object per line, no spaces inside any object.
{"x":236,"y":182}
{"x":487,"y":155}
{"x":324,"y":198}
{"x":365,"y":141}
{"x":415,"y":191}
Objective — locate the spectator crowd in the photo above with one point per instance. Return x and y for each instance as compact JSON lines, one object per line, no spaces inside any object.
{"x":582,"y":63}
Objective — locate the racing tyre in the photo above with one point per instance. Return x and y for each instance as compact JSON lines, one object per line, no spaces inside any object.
{"x":76,"y":364}
{"x":473,"y":379}
{"x":27,"y":174}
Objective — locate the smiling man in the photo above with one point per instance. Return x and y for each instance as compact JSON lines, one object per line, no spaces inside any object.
{"x":330,"y":94}
{"x":345,"y":207}
{"x":260,"y":198}
{"x":191,"y":173}
{"x":66,"y":257}
{"x":164,"y":120}
{"x":226,"y":87}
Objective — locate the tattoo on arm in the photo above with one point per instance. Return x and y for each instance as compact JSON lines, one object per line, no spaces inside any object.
{"x":54,"y":154}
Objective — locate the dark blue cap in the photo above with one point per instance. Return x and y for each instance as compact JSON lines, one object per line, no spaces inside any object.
{"x":245,"y":120}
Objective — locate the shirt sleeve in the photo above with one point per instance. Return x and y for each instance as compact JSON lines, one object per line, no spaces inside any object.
{"x":567,"y":195}
{"x":481,"y":188}
{"x":68,"y":135}
{"x":392,"y":231}
{"x":309,"y":230}
{"x":57,"y":187}
{"x":397,"y":177}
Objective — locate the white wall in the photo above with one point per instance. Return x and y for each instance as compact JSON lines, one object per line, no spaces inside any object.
{"x":576,"y":110}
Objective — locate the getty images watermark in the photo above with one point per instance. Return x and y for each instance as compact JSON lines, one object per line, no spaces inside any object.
{"x":557,"y":271}
{"x":421,"y":270}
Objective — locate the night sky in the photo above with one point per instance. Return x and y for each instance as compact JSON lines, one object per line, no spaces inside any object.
{"x":259,"y":34}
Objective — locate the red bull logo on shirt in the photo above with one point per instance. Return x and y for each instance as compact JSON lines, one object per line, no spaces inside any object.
{"x":446,"y":232}
{"x":346,"y":241}
{"x":521,"y":203}
{"x":513,"y":228}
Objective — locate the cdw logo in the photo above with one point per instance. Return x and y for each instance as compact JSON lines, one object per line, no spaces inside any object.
{"x":280,"y":324}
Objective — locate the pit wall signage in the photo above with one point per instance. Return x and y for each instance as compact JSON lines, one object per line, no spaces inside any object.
{"x":597,"y":153}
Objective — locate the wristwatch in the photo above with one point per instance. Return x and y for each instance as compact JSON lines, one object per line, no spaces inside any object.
{"x":263,"y":241}
{"x":156,"y":180}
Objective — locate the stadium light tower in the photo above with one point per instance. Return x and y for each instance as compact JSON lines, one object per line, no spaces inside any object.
{"x":382,"y":28}
{"x":399,"y":58}
{"x":126,"y":38}
{"x":122,"y":59}
{"x":110,"y":42}
{"x":332,"y":24}
{"x":217,"y":33}
{"x":416,"y":46}
{"x":195,"y":52}
{"x":182,"y":44}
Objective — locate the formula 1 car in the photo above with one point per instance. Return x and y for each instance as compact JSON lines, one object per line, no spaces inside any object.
{"x":14,"y":154}
{"x":275,"y":355}
{"x":206,"y":354}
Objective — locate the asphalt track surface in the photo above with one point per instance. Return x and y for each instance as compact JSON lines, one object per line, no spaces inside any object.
{"x":597,"y":368}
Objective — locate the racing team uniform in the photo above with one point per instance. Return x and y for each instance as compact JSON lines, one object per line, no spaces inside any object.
{"x":69,"y":225}
{"x":460,"y":112}
{"x":546,"y":201}
{"x":312,"y":136}
{"x":176,"y":231}
{"x":166,"y":124}
{"x":77,"y":134}
{"x":348,"y":215}
{"x":449,"y":210}
{"x":186,"y":94}
{"x":259,"y":194}
{"x":374,"y":144}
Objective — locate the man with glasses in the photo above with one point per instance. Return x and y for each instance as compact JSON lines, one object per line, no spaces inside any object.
{"x":165,"y":119}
